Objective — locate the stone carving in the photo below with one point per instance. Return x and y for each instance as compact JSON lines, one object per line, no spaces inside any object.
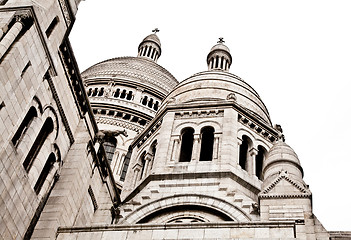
{"x":271,"y":136}
{"x":199,"y":114}
{"x":231,"y":96}
{"x":102,"y":135}
{"x":66,"y":12}
{"x":108,"y":91}
{"x":280,"y":132}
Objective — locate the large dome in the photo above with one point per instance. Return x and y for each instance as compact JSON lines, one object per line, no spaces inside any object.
{"x":134,"y":70}
{"x":209,"y":86}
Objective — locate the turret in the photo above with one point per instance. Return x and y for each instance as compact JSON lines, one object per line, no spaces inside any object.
{"x":150,"y":47}
{"x":219,"y":57}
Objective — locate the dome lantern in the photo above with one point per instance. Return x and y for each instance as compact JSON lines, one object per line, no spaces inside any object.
{"x":150,"y":47}
{"x":219,"y":57}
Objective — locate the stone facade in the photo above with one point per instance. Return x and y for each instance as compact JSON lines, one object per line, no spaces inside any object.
{"x":124,"y":151}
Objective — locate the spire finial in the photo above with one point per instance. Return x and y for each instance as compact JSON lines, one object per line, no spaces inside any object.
{"x":156,"y":30}
{"x":221,"y":40}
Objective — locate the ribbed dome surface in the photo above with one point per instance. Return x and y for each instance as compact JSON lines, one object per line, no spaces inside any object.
{"x":135,"y":69}
{"x":281,"y":152}
{"x":212,"y":86}
{"x":153,"y":38}
{"x":220,"y":46}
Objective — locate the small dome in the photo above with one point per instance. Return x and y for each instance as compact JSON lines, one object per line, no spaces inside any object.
{"x":133,"y":71}
{"x":220,"y":46}
{"x":219,"y":57}
{"x":150,"y":47}
{"x":216,"y":86}
{"x":281,"y":155}
{"x":152,"y":38}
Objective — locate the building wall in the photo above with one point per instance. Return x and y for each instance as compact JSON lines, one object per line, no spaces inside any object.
{"x":37,"y":82}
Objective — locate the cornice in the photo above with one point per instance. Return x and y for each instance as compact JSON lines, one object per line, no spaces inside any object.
{"x":209,"y":106}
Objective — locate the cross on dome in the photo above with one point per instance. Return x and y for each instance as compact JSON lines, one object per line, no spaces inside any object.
{"x":156,"y":30}
{"x":221,"y":40}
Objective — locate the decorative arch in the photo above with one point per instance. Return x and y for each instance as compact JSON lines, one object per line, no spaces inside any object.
{"x":208,"y":123}
{"x":37,"y":104}
{"x":197,"y":126}
{"x":242,"y":131}
{"x":49,"y":111}
{"x":178,"y":129}
{"x":256,"y":141}
{"x":229,"y":210}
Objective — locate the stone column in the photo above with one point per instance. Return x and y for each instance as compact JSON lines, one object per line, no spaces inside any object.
{"x":215,"y":146}
{"x":251,"y":161}
{"x":21,"y":19}
{"x":136,"y":170}
{"x":148,"y":158}
{"x":240,"y":141}
{"x":175,"y":149}
{"x":196,"y":148}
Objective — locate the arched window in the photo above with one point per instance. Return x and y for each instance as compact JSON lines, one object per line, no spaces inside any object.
{"x":126,"y":164}
{"x":116,"y":95}
{"x":217,"y":60}
{"x":31,"y":114}
{"x":101,"y":92}
{"x":123,"y":94}
{"x":207,"y":137}
{"x":243,"y":152}
{"x":149,"y":51}
{"x":129,"y":95}
{"x":110,"y":147}
{"x":259,"y":161}
{"x":153,"y":53}
{"x":156,"y":105}
{"x":144,"y":101}
{"x":95,"y":91}
{"x":186,"y":147}
{"x":45,"y":130}
{"x":44,"y":173}
{"x":150,"y":103}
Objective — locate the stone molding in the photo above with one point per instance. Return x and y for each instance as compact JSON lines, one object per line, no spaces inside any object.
{"x":199,"y":114}
{"x":206,"y":225}
{"x":59,"y":107}
{"x":66,"y":12}
{"x":118,"y":122}
{"x":258,"y":128}
{"x":232,"y":211}
{"x":149,"y":133}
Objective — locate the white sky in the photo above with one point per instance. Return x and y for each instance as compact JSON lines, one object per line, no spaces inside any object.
{"x":296,"y":54}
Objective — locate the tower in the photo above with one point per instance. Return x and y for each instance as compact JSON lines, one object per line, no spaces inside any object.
{"x":125,"y":93}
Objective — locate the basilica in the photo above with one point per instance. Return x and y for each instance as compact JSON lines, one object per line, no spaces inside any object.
{"x":124,"y":150}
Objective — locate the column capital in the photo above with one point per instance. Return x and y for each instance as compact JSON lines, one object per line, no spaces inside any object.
{"x":24,"y":17}
{"x":253,"y":152}
{"x":148,"y":156}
